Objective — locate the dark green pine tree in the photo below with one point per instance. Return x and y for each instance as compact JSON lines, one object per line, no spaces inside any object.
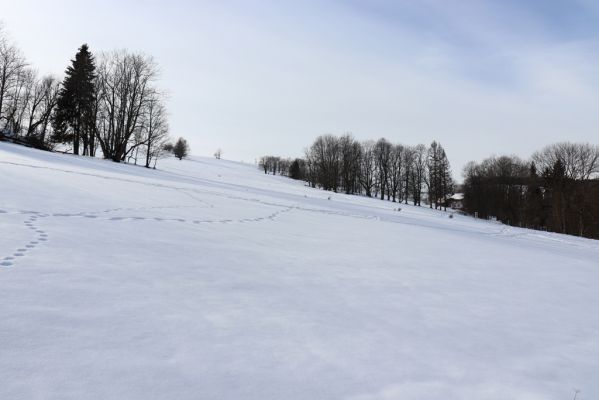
{"x":181,"y":148}
{"x":295,"y":171}
{"x":74,"y":119}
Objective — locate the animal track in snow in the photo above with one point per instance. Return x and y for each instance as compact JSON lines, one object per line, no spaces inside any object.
{"x":41,"y":236}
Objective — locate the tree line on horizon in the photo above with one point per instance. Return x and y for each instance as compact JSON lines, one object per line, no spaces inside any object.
{"x":395,"y":172}
{"x":109,"y":105}
{"x":556,"y":190}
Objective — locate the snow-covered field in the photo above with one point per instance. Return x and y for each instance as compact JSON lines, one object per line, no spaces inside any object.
{"x":209,"y":280}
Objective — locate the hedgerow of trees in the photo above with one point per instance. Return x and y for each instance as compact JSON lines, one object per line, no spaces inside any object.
{"x":557,"y":190}
{"x":381,"y":169}
{"x":27,"y":101}
{"x":109,"y":105}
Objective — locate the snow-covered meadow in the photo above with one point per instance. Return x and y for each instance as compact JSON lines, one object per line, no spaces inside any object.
{"x":207,"y":279}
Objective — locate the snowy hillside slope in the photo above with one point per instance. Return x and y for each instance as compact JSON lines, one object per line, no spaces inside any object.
{"x":207,"y":279}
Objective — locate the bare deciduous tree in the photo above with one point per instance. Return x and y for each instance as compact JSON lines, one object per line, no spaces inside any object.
{"x":12,"y":67}
{"x":368,"y":168}
{"x":418,"y":173}
{"x":580,"y":160}
{"x":125,"y":88}
{"x":41,"y":106}
{"x":396,"y":171}
{"x":350,"y":163}
{"x":382,"y":153}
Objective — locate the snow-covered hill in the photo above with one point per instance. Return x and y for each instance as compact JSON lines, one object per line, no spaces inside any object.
{"x":209,"y":280}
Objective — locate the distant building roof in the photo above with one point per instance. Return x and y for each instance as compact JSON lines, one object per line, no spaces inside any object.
{"x":457,"y":196}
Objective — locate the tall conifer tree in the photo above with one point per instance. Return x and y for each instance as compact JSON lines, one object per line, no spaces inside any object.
{"x":74,"y":119}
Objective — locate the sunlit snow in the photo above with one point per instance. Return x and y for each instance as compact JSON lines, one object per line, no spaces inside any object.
{"x":207,"y":279}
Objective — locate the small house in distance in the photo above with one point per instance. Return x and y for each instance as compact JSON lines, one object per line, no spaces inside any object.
{"x":456,"y":202}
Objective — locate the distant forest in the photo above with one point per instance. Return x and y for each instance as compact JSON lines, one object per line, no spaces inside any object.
{"x":108,"y":104}
{"x":556,"y":190}
{"x":375,"y":169}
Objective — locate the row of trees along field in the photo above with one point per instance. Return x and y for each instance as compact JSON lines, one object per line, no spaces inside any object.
{"x":557,"y":190}
{"x":381,"y":169}
{"x":110,"y":103}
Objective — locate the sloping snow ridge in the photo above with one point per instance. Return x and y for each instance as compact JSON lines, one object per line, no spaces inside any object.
{"x":207,"y":279}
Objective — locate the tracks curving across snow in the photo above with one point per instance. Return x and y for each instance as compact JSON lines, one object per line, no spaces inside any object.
{"x":40,"y":236}
{"x":241,"y":193}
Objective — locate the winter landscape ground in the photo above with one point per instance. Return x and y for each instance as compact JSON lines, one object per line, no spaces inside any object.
{"x":207,"y":279}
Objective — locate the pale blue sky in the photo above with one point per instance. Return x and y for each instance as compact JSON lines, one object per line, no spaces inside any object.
{"x":257,"y":77}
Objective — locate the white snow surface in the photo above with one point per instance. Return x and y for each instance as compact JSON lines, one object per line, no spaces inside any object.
{"x":207,"y":279}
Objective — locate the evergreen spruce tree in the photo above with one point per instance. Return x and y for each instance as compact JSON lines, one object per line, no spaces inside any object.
{"x":295,"y":171}
{"x":74,"y":119}
{"x":446,"y":180}
{"x":181,"y":148}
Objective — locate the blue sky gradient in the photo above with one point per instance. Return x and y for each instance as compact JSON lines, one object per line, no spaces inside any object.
{"x":256,"y":77}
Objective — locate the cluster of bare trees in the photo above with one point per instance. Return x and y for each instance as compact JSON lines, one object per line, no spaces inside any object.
{"x":113,"y":104}
{"x":274,"y":165}
{"x":27,"y":101}
{"x":557,"y":190}
{"x":292,"y":168}
{"x":375,"y":169}
{"x":380,"y":169}
{"x":110,"y":103}
{"x":131,"y":114}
